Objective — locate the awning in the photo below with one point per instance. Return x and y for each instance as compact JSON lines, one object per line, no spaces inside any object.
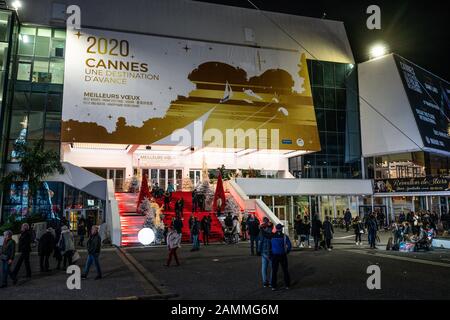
{"x":292,"y":187}
{"x":81,"y":179}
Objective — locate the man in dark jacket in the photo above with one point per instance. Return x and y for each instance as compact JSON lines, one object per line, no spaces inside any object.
{"x":281,"y":246}
{"x":328,"y":232}
{"x":45,"y":249}
{"x":347,"y":219}
{"x":265,"y":247}
{"x":206,"y":228}
{"x":253,"y":231}
{"x":316,"y":227}
{"x":7,"y":256}
{"x":25,"y":250}
{"x":94,"y":245}
{"x":372,"y":230}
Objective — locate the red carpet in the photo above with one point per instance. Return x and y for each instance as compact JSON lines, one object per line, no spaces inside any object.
{"x":131,"y":222}
{"x":216,"y":234}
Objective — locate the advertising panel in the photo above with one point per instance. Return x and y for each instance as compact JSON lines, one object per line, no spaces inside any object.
{"x":139,"y":89}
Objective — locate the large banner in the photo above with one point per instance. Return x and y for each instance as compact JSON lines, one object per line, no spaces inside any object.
{"x":138,"y":89}
{"x":429,"y":99}
{"x":425,"y":184}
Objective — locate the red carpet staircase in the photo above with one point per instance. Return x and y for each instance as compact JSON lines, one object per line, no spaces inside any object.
{"x":131,"y":222}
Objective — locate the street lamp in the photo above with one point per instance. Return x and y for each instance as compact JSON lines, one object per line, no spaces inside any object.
{"x":377,"y":51}
{"x":16,"y":5}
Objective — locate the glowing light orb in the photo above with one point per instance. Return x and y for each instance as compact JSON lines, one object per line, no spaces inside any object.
{"x":146,"y":236}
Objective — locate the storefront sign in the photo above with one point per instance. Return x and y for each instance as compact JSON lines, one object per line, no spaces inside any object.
{"x":425,"y":184}
{"x":429,"y":99}
{"x":138,"y":89}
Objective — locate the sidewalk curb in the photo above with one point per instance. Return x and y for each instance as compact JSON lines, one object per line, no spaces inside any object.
{"x":162,"y":292}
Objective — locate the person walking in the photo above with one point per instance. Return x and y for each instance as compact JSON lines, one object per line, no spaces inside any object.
{"x":244,"y":228}
{"x":358,"y":226}
{"x":372,"y":230}
{"x":67,"y":246}
{"x":7,"y":256}
{"x":24,"y":250}
{"x":45,"y":249}
{"x":195,"y":231}
{"x":194,"y":200}
{"x":173,"y":243}
{"x":205,"y":226}
{"x":328,"y":232}
{"x":347,"y":219}
{"x":265,"y":247}
{"x":81,"y":231}
{"x":253,"y":231}
{"x":281,"y":246}
{"x":94,"y":246}
{"x":316,"y":227}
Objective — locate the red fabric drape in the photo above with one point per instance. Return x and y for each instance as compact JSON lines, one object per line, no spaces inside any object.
{"x":144,"y":192}
{"x":220,"y":193}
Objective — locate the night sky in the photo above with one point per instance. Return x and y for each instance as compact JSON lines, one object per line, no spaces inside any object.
{"x":416,"y":30}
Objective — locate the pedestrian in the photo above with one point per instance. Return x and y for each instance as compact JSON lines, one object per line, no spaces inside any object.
{"x":328,"y":232}
{"x":372,"y":230}
{"x":195,"y":231}
{"x":380,"y":218}
{"x":67,"y":246}
{"x":178,"y":224}
{"x":173,"y":243}
{"x":281,"y":246}
{"x":265,"y":247}
{"x":24,"y":250}
{"x":316,"y":227}
{"x":166,"y":201}
{"x":45,"y":249}
{"x":253,"y":231}
{"x":81,"y":231}
{"x":307,"y":230}
{"x":244,"y":227}
{"x":358,"y":226}
{"x":347,"y":219}
{"x":205,"y":226}
{"x":181,"y":206}
{"x":94,"y":246}
{"x":7,"y":256}
{"x":194,"y":200}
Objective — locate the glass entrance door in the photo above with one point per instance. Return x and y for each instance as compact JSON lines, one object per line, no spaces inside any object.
{"x":280,"y":212}
{"x":117,"y":175}
{"x":164,"y":176}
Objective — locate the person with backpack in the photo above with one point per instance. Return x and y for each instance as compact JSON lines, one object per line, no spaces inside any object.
{"x":7,"y":256}
{"x":265,"y":247}
{"x":195,"y":231}
{"x":253,"y":231}
{"x":281,"y":246}
{"x":25,"y":250}
{"x":45,"y":249}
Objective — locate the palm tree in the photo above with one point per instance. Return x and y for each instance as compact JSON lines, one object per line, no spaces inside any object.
{"x":36,"y":164}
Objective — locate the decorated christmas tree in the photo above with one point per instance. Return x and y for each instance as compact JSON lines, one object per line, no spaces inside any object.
{"x":186,"y":184}
{"x":204,"y":188}
{"x":232,"y":207}
{"x":152,"y":212}
{"x":134,"y":184}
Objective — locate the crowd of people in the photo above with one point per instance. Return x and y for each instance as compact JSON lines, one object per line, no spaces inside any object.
{"x":58,"y":241}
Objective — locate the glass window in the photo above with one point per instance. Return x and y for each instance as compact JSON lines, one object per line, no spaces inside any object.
{"x":44,"y":32}
{"x":37,"y":101}
{"x":340,"y":75}
{"x":3,"y":54}
{"x":341,"y":99}
{"x":318,"y":98}
{"x":4,"y":25}
{"x":331,"y":120}
{"x":24,"y":71}
{"x":52,"y":145}
{"x":54,"y":102}
{"x":59,"y":33}
{"x":21,"y":100}
{"x":58,"y":48}
{"x":328,"y":72}
{"x":317,"y":73}
{"x":35,"y":125}
{"x":341,"y":121}
{"x":18,"y":122}
{"x":329,"y":98}
{"x":40,"y":71}
{"x":52,"y":126}
{"x":320,"y":117}
{"x":42,"y":46}
{"x":31,"y":31}
{"x":57,"y":71}
{"x":26,"y":44}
